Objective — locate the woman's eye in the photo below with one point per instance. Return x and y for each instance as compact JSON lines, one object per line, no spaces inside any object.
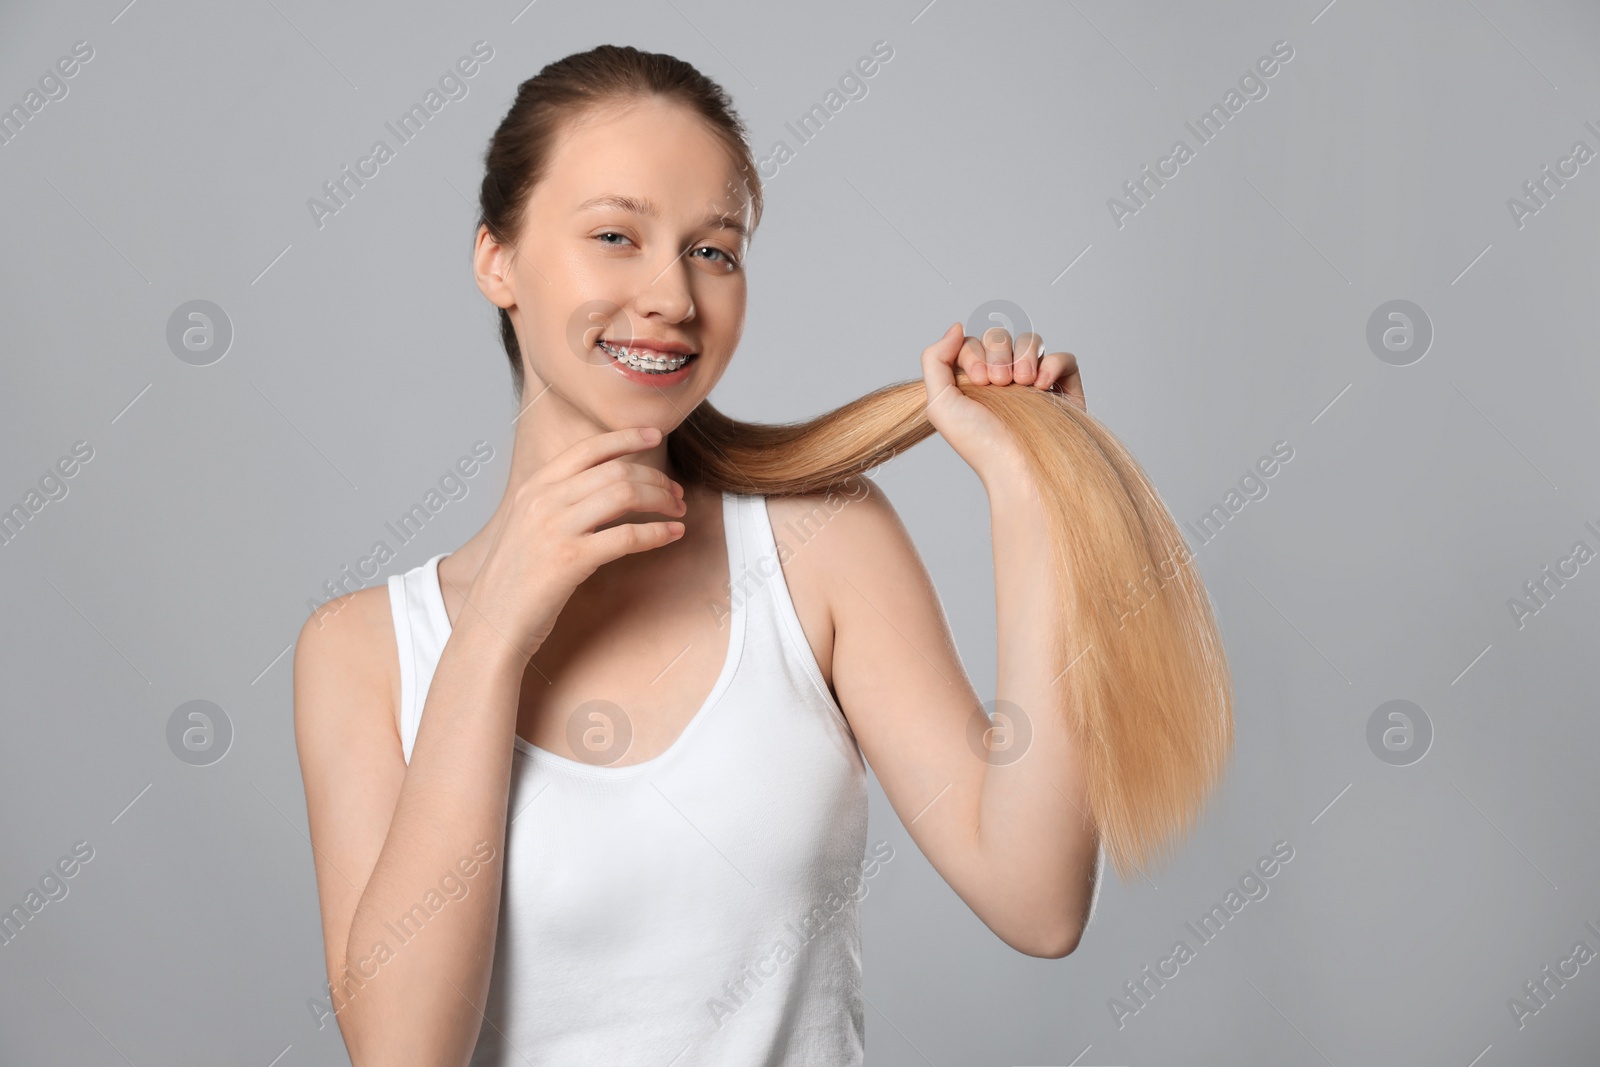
{"x":610,"y":233}
{"x":727,"y":260}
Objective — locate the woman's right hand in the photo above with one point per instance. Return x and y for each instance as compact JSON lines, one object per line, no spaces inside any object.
{"x":548,"y":544}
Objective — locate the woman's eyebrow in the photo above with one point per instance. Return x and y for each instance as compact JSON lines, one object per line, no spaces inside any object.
{"x":647,"y":208}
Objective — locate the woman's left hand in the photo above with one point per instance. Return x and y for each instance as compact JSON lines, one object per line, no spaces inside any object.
{"x":976,"y":434}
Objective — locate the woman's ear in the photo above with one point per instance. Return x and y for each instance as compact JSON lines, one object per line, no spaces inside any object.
{"x":491,"y":268}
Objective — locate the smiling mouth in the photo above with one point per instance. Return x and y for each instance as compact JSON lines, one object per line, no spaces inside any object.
{"x":644,"y":360}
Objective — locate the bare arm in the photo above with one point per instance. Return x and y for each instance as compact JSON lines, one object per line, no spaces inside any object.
{"x":1003,"y":822}
{"x":408,"y":856}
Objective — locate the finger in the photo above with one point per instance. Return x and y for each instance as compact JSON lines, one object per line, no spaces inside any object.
{"x":583,"y":454}
{"x":1058,"y":373}
{"x":610,"y":503}
{"x":938,"y":363}
{"x":997,"y":353}
{"x":622,"y":468}
{"x":628,"y":537}
{"x":971,"y":360}
{"x":1053,"y":369}
{"x":1025,"y":360}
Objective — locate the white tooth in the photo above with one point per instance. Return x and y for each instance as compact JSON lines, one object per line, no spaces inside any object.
{"x":644,"y":359}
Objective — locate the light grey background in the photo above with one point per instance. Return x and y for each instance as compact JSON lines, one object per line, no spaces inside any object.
{"x":1228,"y":314}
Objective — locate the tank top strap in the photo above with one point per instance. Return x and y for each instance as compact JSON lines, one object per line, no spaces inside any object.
{"x":766,"y":597}
{"x":420,"y":631}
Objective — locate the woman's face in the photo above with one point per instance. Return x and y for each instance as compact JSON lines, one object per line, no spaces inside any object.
{"x":633,"y":235}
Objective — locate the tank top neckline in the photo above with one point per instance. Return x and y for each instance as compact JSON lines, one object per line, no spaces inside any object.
{"x":732,"y":532}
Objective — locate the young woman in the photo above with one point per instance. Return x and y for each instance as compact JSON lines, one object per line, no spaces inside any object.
{"x":590,"y":788}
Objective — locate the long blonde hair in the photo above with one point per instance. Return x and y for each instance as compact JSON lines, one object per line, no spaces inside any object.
{"x":1147,"y":690}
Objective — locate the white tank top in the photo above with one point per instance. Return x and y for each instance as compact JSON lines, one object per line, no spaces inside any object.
{"x":699,"y":907}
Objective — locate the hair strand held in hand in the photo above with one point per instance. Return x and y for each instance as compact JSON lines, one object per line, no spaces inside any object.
{"x":1148,"y":693}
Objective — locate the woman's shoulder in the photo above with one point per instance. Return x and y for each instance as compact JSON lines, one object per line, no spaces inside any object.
{"x":839,"y":517}
{"x":834,"y":538}
{"x":853,"y":517}
{"x":821,"y":540}
{"x":356,"y":618}
{"x":347,"y":650}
